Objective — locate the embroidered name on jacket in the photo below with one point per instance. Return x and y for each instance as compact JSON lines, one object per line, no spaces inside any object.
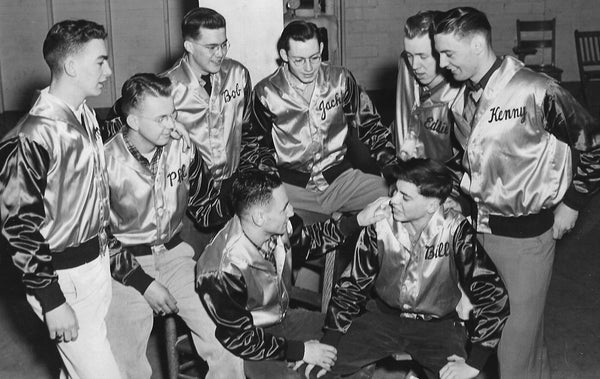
{"x":436,"y":125}
{"x":176,"y":177}
{"x":326,"y":105}
{"x":234,"y":93}
{"x":499,"y":114}
{"x":439,"y":251}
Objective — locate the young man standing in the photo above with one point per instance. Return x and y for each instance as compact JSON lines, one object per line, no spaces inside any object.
{"x":414,"y":261}
{"x":531,"y":159}
{"x":423,"y":94}
{"x":212,"y":99}
{"x":55,"y":203}
{"x":245,"y":273}
{"x":306,"y":116}
{"x":156,"y":266}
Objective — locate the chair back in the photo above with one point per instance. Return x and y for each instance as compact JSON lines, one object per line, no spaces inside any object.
{"x":535,"y":35}
{"x":587,"y":45}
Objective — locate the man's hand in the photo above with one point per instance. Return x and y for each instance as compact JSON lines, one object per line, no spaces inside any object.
{"x":564,"y":220}
{"x":160,"y":299}
{"x":305,"y":369}
{"x":62,"y":323}
{"x":179,"y":131}
{"x":456,"y":368}
{"x":319,"y":354}
{"x":377,"y":210}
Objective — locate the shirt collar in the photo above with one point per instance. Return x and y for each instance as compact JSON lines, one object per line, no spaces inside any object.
{"x":485,"y":79}
{"x":136,"y":153}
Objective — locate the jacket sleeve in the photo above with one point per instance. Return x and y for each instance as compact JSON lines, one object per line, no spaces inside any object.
{"x":481,"y":282}
{"x":22,"y":184}
{"x":224,"y":295}
{"x":366,"y":123}
{"x":351,"y":292}
{"x":114,"y":122}
{"x":571,"y":123}
{"x":207,"y":204}
{"x":124,"y":267}
{"x":246,"y":155}
{"x":314,"y":240}
{"x":257,"y":142}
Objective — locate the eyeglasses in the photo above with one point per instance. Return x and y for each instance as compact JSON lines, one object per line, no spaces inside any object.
{"x":164,"y":120}
{"x":297,"y":61}
{"x":212,"y":48}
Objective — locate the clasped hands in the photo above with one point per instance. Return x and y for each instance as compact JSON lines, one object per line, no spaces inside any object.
{"x":316,"y":354}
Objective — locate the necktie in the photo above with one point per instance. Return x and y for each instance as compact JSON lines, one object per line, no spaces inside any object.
{"x":207,"y":84}
{"x":268,"y":250}
{"x":472,"y":95}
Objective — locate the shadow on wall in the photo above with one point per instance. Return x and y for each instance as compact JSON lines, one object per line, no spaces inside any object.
{"x":384,"y":97}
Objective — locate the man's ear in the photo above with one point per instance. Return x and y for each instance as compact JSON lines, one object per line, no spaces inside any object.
{"x":478,"y":43}
{"x":69,"y":67}
{"x":133,"y":122}
{"x":433,"y":205}
{"x":188,"y":47}
{"x":258,"y":217}
{"x":283,"y":55}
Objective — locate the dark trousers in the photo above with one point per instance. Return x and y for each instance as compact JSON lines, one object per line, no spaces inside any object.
{"x":376,"y":335}
{"x":299,"y":325}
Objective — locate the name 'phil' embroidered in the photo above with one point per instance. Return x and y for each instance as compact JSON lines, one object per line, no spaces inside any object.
{"x":326,"y":105}
{"x":498,"y":114}
{"x":176,"y":177}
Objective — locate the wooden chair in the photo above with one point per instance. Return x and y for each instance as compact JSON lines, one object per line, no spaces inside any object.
{"x":587,"y":45}
{"x":182,"y":361}
{"x":533,"y":36}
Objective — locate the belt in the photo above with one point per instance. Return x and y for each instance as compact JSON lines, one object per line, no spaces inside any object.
{"x":523,"y":226}
{"x":76,"y":255}
{"x":145,"y":249}
{"x":300,"y":179}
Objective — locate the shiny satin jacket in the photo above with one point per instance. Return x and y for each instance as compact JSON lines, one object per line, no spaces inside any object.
{"x":243,"y":292}
{"x":54,"y":188}
{"x":214,"y":120}
{"x":421,"y":281}
{"x":290,"y":132}
{"x":531,"y":146}
{"x":435,"y":119}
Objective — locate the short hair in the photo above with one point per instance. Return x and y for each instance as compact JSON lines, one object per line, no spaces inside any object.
{"x":67,"y":38}
{"x":463,"y":21}
{"x":420,"y":24}
{"x":298,"y":30}
{"x":140,"y":85}
{"x":432,"y":178}
{"x":200,"y":18}
{"x":253,"y":187}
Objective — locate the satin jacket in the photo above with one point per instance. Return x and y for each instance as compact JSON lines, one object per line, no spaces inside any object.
{"x":244,"y":293}
{"x":214,"y":120}
{"x":310,"y":137}
{"x":54,"y":191}
{"x":153,"y":213}
{"x":421,"y":281}
{"x":532,"y":145}
{"x":433,"y":115}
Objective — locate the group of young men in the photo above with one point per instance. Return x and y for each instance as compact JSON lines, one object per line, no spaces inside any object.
{"x":107,"y":221}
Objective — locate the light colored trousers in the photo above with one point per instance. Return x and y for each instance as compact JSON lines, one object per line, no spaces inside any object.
{"x":349,"y":192}
{"x":87,"y":289}
{"x":525,"y":265}
{"x":130,"y":317}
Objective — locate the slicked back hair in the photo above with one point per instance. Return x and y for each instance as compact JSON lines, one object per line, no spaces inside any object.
{"x":140,"y":85}
{"x":200,"y":18}
{"x":298,"y":30}
{"x":252,"y":187}
{"x":432,"y":178}
{"x":463,"y":21}
{"x":420,"y":24}
{"x":67,"y":38}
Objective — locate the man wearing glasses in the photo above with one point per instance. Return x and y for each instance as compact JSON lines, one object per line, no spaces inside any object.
{"x":156,"y":268}
{"x":211,"y":94}
{"x":313,"y":124}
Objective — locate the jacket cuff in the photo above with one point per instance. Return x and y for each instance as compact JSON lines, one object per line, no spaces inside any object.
{"x":348,"y":225}
{"x":332,"y":337}
{"x":575,"y":199}
{"x":479,"y":356}
{"x":50,"y":297}
{"x":139,"y":280}
{"x":294,"y":351}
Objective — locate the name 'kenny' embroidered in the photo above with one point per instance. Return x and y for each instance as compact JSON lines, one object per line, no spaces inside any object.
{"x":508,"y":114}
{"x":176,"y":177}
{"x":326,"y":105}
{"x":230,"y":95}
